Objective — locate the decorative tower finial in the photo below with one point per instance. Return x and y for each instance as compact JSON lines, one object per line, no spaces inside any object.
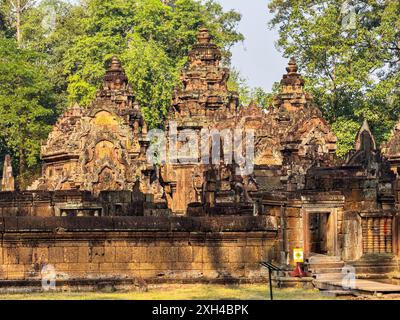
{"x":292,"y":95}
{"x":365,"y":139}
{"x":115,"y":64}
{"x":115,"y":78}
{"x":292,"y":78}
{"x":204,"y":91}
{"x":292,"y":67}
{"x":204,"y":36}
{"x":7,"y":182}
{"x":204,"y":52}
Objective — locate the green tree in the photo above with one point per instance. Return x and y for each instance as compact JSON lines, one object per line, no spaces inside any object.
{"x":349,"y":52}
{"x":153,"y":75}
{"x":247,"y":94}
{"x":25,"y":102}
{"x":63,"y":49}
{"x":14,"y":11}
{"x":152,"y":38}
{"x":50,"y":29}
{"x":4,"y":26}
{"x":238,"y":83}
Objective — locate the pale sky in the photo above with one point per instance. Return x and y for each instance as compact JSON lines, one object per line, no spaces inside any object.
{"x":257,"y":59}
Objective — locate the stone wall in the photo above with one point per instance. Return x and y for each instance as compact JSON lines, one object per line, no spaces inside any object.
{"x":352,"y":237}
{"x":149,"y":248}
{"x":80,"y":203}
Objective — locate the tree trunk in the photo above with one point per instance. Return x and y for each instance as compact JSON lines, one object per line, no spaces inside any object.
{"x":22,"y":163}
{"x":18,"y":21}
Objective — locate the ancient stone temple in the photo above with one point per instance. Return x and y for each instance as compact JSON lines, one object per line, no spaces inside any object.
{"x":203,"y":102}
{"x":305,"y":137}
{"x":391,"y":149}
{"x":101,"y":212}
{"x":289,"y":138}
{"x":99,"y":148}
{"x":364,"y":185}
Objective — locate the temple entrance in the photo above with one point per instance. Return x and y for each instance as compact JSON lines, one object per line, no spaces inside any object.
{"x":320,"y":233}
{"x":185,"y":192}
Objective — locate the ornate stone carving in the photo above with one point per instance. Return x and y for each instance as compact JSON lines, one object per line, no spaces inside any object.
{"x":98,"y":148}
{"x":391,"y":149}
{"x":203,"y":101}
{"x":306,"y":138}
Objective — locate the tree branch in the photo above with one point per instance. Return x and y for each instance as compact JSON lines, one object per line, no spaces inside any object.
{"x":29,"y":3}
{"x":13,"y":5}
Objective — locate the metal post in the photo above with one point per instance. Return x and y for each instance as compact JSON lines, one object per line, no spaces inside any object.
{"x":271,"y":267}
{"x":270,"y":283}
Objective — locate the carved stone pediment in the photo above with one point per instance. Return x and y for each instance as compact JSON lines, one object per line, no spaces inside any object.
{"x":97,"y":148}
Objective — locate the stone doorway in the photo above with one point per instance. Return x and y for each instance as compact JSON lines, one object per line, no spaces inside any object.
{"x":320,"y":233}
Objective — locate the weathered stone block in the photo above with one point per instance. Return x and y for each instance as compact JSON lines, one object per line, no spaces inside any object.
{"x":197,"y":253}
{"x":123,"y":254}
{"x":93,"y":268}
{"x":24,"y":255}
{"x":96,"y":254}
{"x":252,"y":254}
{"x":292,"y":212}
{"x":215,"y":254}
{"x":107,"y":267}
{"x":236,"y":254}
{"x":210,"y":273}
{"x":159,"y":254}
{"x":10,"y":255}
{"x":15,"y":271}
{"x":83,"y":254}
{"x":134,"y":266}
{"x":56,"y":255}
{"x":109,"y":254}
{"x":197,"y":266}
{"x":179,"y":266}
{"x":293,"y":223}
{"x":139,"y":254}
{"x":185,"y":254}
{"x":40,"y":255}
{"x":122,"y":267}
{"x":71,"y":254}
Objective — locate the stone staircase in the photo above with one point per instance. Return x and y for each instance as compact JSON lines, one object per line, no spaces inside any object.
{"x":325,"y":267}
{"x":328,"y":273}
{"x":375,"y":267}
{"x":325,"y":270}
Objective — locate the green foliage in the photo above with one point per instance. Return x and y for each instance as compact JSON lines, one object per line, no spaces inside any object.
{"x":239,"y":84}
{"x":263,"y":98}
{"x":4,"y":27}
{"x":50,"y":29}
{"x":153,"y":40}
{"x":25,"y":100}
{"x":247,"y":94}
{"x":5,"y":19}
{"x":350,"y":58}
{"x":65,"y":48}
{"x":346,"y":131}
{"x":85,"y":64}
{"x":153,"y":75}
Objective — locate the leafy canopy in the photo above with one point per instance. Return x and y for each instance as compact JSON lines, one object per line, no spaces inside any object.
{"x":64,"y":49}
{"x":25,"y":101}
{"x":349,"y":52}
{"x":152,"y":39}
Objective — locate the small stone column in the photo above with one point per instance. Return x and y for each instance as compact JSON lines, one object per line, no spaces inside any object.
{"x":7,"y":182}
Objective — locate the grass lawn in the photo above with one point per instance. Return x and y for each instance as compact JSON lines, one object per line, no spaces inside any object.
{"x":180,"y":292}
